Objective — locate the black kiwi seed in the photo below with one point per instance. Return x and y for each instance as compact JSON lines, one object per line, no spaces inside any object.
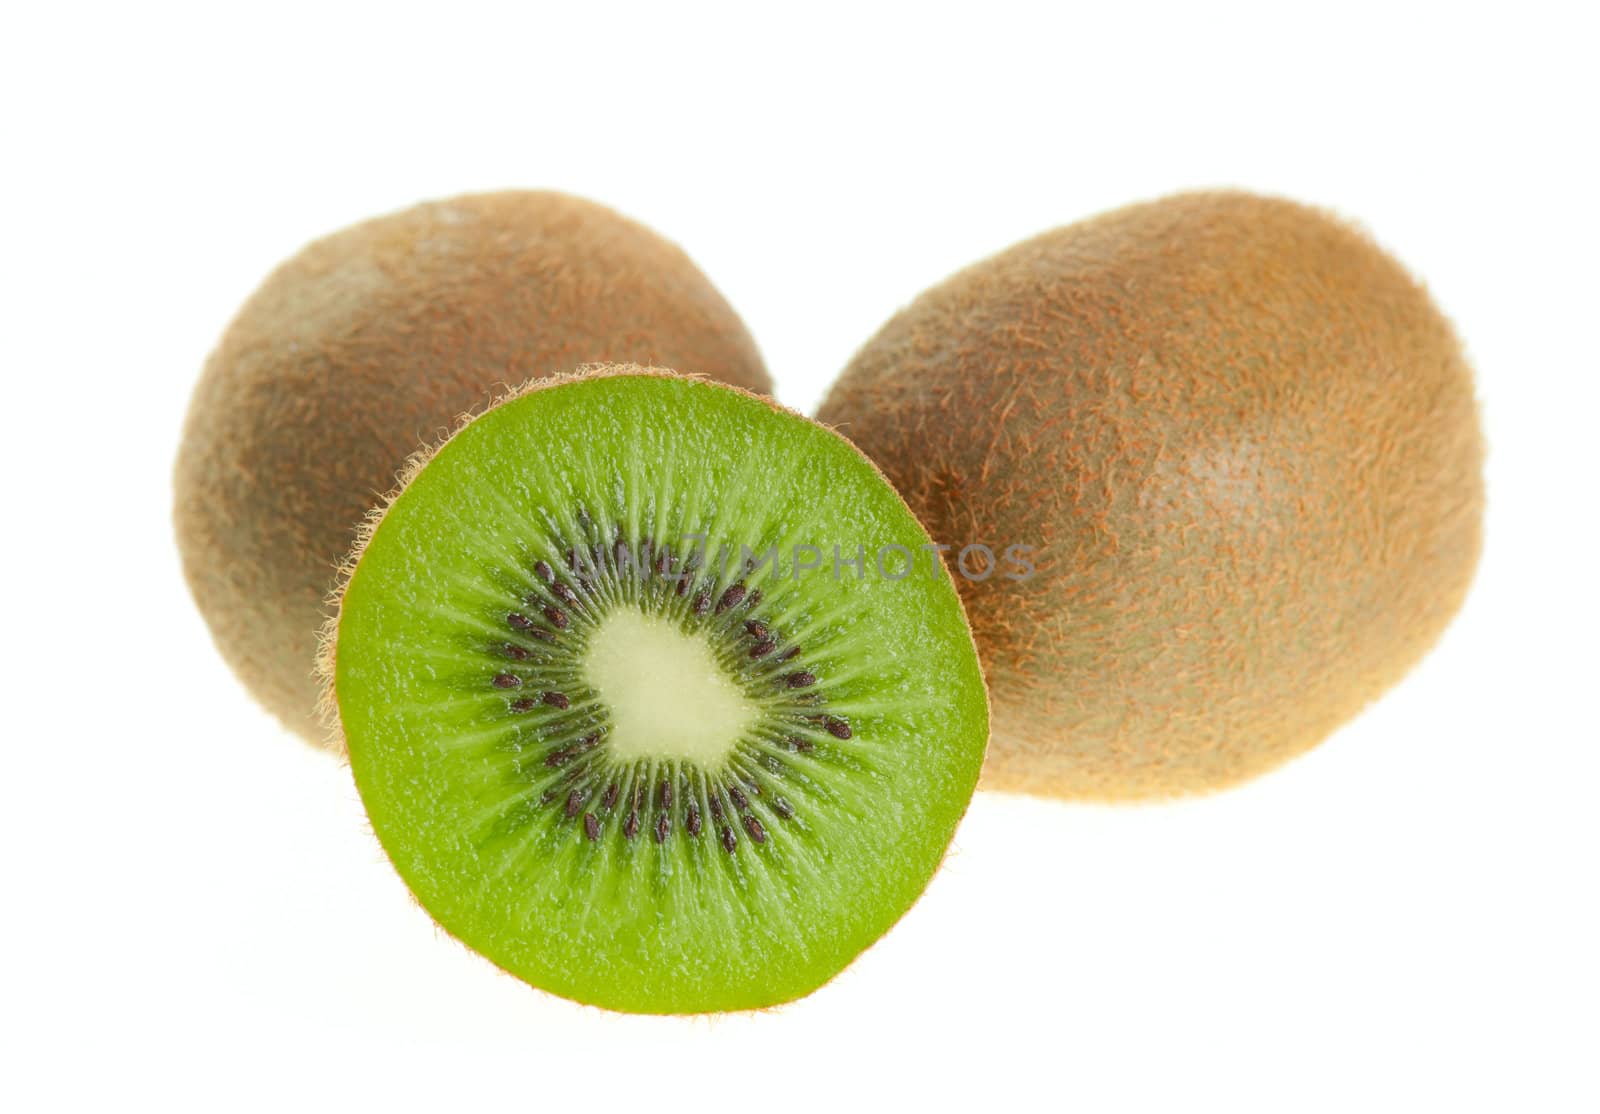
{"x":630,"y":827}
{"x":753,"y":826}
{"x":544,"y":571}
{"x":731,"y":597}
{"x":756,"y":629}
{"x":591,"y":826}
{"x":557,"y":700}
{"x":691,"y":819}
{"x":507,"y":681}
{"x":730,"y":842}
{"x":801,"y":679}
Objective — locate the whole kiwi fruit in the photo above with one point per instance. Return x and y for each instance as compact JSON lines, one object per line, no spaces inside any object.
{"x":1240,"y":446}
{"x":367,"y":346}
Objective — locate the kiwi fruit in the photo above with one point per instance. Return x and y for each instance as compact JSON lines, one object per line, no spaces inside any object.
{"x":1237,"y":448}
{"x":367,"y":346}
{"x":655,"y":694}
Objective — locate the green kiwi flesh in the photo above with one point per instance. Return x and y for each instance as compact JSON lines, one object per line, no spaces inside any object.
{"x":1243,"y":444}
{"x":368,"y":345}
{"x":614,"y":728}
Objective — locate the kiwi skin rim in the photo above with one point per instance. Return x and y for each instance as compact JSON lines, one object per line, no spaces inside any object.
{"x":327,"y":658}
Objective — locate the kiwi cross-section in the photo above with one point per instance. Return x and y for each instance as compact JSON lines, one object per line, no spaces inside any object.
{"x":656,"y":693}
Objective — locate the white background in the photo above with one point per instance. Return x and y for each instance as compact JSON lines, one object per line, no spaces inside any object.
{"x":195,"y":915}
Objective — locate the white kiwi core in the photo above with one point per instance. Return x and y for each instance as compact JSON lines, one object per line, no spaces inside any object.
{"x":666,"y":694}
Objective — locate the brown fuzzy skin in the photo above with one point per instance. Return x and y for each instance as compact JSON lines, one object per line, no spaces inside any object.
{"x":1246,"y":445}
{"x":368,"y":345}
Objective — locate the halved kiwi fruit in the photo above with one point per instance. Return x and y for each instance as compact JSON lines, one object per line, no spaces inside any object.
{"x":655,"y":693}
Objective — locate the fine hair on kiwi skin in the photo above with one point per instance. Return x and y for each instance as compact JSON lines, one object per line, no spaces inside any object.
{"x":1244,"y":444}
{"x":367,"y":345}
{"x":626,"y":772}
